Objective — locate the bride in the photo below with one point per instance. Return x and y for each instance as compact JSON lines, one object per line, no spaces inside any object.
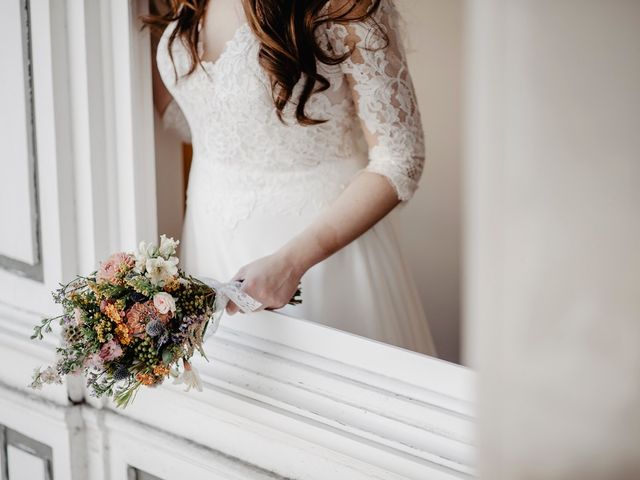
{"x":306,"y":134}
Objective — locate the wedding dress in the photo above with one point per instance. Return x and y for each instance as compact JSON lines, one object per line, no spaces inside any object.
{"x":256,"y":182}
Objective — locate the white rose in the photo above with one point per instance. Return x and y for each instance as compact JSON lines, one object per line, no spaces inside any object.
{"x":164,"y":303}
{"x":167,"y":246}
{"x":160,"y":270}
{"x":189,"y":377}
{"x":50,"y":375}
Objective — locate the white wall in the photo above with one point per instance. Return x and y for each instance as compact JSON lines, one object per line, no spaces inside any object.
{"x":430,"y":225}
{"x":169,"y":180}
{"x":554,"y":237}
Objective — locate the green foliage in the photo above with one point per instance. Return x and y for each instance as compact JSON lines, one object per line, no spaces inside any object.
{"x":125,"y":395}
{"x":142,"y":285}
{"x":43,"y":327}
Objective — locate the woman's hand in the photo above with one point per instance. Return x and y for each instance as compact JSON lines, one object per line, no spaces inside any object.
{"x":272,"y":280}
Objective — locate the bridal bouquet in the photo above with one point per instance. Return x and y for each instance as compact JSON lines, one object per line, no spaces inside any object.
{"x":136,"y":321}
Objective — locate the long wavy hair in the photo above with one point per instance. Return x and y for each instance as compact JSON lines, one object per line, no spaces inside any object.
{"x":286,"y":30}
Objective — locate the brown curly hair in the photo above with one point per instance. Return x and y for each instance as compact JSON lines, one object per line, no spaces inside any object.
{"x":289,"y":49}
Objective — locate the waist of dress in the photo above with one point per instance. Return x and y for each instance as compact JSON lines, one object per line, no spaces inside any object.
{"x":231,"y":194}
{"x":265,"y":172}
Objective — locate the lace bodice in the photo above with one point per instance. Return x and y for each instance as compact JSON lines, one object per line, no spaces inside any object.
{"x":246,"y":159}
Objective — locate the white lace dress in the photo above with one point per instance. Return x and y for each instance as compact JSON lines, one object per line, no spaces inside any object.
{"x":256,"y":182}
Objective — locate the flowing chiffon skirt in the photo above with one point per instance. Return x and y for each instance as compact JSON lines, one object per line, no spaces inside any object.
{"x":366,"y":288}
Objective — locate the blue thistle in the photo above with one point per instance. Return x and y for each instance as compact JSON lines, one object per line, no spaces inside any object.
{"x":155,"y":328}
{"x":121,"y":373}
{"x":138,"y":297}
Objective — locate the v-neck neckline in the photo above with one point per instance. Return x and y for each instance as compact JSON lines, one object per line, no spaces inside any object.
{"x":225,"y":47}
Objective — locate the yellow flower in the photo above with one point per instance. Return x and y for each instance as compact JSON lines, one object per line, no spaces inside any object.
{"x":161,"y":370}
{"x":146,"y":379}
{"x":113,"y":313}
{"x":94,"y":288}
{"x":172,"y":285}
{"x":102,"y":327}
{"x":123,"y":334}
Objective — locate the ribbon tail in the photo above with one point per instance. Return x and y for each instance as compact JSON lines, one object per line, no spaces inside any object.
{"x":226,"y":292}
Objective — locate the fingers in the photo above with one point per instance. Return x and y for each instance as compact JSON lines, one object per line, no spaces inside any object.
{"x":232,"y":308}
{"x":267,"y":281}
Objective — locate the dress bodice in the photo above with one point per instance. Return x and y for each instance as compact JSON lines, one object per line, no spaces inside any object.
{"x":245,"y":154}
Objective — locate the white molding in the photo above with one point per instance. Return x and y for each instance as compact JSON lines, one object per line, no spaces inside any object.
{"x":350,"y":349}
{"x":19,"y":355}
{"x":87,"y":124}
{"x":60,"y":427}
{"x":55,"y":178}
{"x":324,"y":411}
{"x":133,"y":126}
{"x":119,"y":442}
{"x":94,"y":137}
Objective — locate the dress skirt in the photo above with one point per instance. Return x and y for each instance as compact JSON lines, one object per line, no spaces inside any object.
{"x":365,"y":289}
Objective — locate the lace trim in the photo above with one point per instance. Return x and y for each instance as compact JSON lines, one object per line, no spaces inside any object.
{"x":384,"y":96}
{"x":247,"y":161}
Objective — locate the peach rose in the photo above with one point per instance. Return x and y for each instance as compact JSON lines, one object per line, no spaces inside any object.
{"x":137,"y":317}
{"x":139,"y":314}
{"x":112,"y":266}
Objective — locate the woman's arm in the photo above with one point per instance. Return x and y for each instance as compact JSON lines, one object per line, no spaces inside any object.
{"x":168,"y":110}
{"x":274,"y":279}
{"x":385,"y":101}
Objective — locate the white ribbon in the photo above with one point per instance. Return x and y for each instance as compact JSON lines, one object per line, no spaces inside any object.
{"x":226,"y":292}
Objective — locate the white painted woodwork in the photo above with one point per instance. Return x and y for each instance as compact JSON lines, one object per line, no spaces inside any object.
{"x":287,"y":396}
{"x":24,"y":465}
{"x":553,"y":285}
{"x":55,"y":175}
{"x":361,"y":408}
{"x":15,"y":122}
{"x":50,"y":423}
{"x":283,"y":398}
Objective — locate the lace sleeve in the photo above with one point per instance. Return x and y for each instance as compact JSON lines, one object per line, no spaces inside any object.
{"x":384,"y":96}
{"x":173,"y":119}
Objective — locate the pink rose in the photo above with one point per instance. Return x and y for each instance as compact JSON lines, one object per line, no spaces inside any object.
{"x":110,"y":351}
{"x":115,"y":264}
